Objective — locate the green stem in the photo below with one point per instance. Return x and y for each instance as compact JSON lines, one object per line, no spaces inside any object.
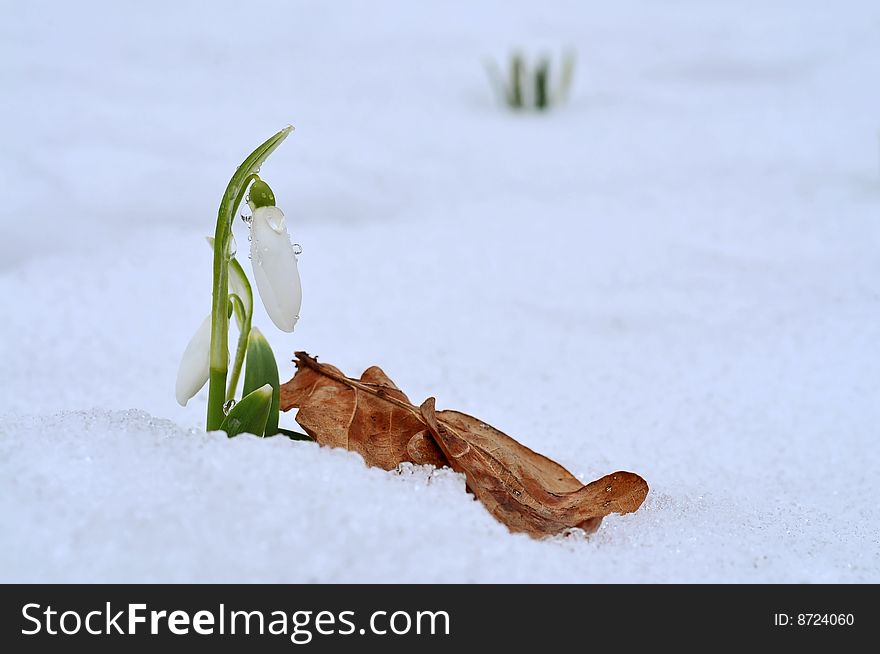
{"x":219,"y":359}
{"x":542,"y":74}
{"x":235,"y":190}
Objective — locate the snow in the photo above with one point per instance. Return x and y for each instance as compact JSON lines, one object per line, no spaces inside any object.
{"x":674,"y":274}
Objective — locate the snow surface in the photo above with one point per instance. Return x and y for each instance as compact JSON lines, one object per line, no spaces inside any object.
{"x":675,"y":274}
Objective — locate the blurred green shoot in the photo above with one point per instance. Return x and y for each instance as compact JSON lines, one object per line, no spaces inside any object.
{"x":532,"y":88}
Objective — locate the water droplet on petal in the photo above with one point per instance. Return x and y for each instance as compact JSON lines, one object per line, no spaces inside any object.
{"x":227,"y":407}
{"x":297,"y":249}
{"x":276,"y":221}
{"x":246,"y":215}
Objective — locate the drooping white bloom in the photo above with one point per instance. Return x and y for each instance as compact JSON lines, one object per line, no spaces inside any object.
{"x":275,"y":268}
{"x":195,"y":365}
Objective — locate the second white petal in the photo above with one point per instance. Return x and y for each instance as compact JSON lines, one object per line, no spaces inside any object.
{"x":194,"y":364}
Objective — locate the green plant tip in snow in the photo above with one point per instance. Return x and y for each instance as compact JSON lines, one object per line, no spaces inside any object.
{"x":250,"y":415}
{"x":531,"y":87}
{"x":260,"y":195}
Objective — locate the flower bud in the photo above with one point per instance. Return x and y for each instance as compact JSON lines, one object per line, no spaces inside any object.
{"x":260,"y":195}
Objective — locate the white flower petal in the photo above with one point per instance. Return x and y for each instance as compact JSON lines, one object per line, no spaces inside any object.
{"x":195,"y":365}
{"x":275,"y":268}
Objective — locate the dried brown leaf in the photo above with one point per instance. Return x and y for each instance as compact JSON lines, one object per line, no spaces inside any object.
{"x":370,"y":416}
{"x":523,"y":489}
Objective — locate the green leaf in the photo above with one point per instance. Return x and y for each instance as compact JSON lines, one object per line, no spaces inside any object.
{"x":246,"y":172}
{"x":250,"y":415}
{"x":260,"y":370}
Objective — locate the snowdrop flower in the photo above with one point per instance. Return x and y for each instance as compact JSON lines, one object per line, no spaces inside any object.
{"x":206,"y":358}
{"x":195,"y":364}
{"x":274,"y":260}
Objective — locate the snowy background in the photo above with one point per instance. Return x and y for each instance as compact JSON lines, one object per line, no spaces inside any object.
{"x":677,"y":273}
